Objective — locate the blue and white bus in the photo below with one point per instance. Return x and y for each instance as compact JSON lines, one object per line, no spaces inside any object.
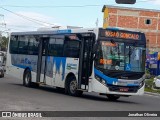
{"x":110,"y":62}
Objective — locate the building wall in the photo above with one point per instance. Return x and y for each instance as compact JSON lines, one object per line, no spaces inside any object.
{"x":134,"y":19}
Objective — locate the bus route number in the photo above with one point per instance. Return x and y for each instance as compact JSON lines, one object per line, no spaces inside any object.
{"x":105,"y":61}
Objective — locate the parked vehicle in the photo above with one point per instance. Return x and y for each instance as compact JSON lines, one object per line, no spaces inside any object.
{"x":2,"y":64}
{"x":1,"y":71}
{"x":156,"y":83}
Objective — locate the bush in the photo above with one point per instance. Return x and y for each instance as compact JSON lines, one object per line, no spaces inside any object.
{"x":149,"y":83}
{"x":147,"y":74}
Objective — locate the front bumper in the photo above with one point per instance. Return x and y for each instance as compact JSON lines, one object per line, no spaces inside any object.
{"x":101,"y":88}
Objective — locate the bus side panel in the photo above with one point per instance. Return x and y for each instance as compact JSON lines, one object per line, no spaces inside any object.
{"x":11,"y":69}
{"x":33,"y":66}
{"x":57,"y":68}
{"x":62,"y":67}
{"x":18,"y":63}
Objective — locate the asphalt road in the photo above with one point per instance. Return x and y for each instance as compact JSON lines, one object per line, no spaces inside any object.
{"x":15,"y":97}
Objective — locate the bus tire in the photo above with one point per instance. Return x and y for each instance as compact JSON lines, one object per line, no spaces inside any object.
{"x":27,"y":78}
{"x":72,"y":87}
{"x":112,"y":97}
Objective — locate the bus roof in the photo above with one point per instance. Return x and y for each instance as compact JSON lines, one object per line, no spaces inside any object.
{"x":60,"y":31}
{"x":67,"y":31}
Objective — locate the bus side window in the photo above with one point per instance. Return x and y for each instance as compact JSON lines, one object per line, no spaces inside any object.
{"x":56,"y":46}
{"x":23,"y":45}
{"x":14,"y":45}
{"x":33,"y":45}
{"x":72,"y":49}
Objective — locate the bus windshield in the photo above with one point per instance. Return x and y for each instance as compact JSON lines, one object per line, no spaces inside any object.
{"x":120,"y":56}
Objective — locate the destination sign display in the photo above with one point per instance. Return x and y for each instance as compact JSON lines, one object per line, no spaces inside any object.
{"x":121,"y":34}
{"x":72,"y":37}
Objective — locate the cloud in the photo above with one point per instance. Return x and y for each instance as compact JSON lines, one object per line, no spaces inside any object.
{"x":157,"y":2}
{"x":28,"y":21}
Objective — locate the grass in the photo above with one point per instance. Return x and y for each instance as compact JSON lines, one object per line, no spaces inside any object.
{"x":149,"y":88}
{"x":152,"y":90}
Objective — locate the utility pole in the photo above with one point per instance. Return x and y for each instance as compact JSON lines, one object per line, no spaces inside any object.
{"x":2,"y":24}
{"x":97,"y":22}
{"x":2,"y":29}
{"x":2,"y":21}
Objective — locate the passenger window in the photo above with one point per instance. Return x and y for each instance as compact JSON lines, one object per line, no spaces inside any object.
{"x":72,"y":49}
{"x":33,"y":45}
{"x":14,"y":45}
{"x":56,"y":45}
{"x":23,"y":45}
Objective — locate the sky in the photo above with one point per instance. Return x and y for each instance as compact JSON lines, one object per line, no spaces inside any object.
{"x":29,"y":15}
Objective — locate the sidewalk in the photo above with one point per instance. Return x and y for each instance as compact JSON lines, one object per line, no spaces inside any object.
{"x":151,"y":93}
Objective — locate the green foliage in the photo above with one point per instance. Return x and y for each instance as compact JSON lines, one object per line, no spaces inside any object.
{"x":4,"y":42}
{"x":152,"y":90}
{"x":147,"y":71}
{"x":148,"y":74}
{"x":149,"y":83}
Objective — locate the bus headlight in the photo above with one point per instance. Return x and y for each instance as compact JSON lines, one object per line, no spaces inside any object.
{"x":141,"y":84}
{"x":100,"y":80}
{"x":97,"y":78}
{"x":103,"y":81}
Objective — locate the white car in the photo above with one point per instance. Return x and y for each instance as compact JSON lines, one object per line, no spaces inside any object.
{"x":156,"y":82}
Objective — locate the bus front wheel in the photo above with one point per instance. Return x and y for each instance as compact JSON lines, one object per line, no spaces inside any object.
{"x":113,"y":97}
{"x":72,"y":87}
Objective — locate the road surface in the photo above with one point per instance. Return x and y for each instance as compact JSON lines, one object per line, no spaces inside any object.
{"x":15,"y":97}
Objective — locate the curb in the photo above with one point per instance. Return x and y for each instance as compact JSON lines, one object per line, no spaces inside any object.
{"x":151,"y":93}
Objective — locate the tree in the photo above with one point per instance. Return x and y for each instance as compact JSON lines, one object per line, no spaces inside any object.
{"x":3,"y":43}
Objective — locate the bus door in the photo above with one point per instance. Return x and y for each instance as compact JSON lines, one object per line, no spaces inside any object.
{"x":42,"y":60}
{"x":85,"y":59}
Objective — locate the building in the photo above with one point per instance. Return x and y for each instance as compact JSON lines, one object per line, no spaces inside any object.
{"x":144,"y":20}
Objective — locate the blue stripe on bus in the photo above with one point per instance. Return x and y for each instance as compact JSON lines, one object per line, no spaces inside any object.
{"x":64,"y":31}
{"x":132,"y":85}
{"x":23,"y":66}
{"x":60,"y":62}
{"x":107,"y":79}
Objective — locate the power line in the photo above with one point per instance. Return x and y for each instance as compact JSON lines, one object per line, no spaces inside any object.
{"x":16,"y":29}
{"x":42,"y":22}
{"x":63,"y":6}
{"x":49,"y":6}
{"x":28,"y":18}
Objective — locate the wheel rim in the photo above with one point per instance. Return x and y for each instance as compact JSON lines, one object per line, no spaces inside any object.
{"x":27,"y":78}
{"x":73,"y":86}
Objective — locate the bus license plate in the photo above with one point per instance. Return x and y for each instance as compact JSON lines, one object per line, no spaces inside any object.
{"x":123,"y":89}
